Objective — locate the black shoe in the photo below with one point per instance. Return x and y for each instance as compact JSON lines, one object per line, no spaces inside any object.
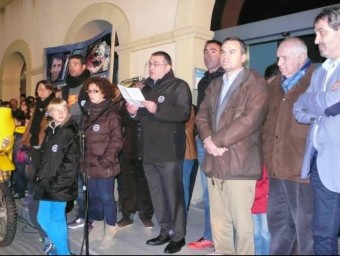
{"x":173,"y":247}
{"x":159,"y":240}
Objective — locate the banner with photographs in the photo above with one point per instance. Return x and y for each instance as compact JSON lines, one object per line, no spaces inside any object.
{"x":97,"y":52}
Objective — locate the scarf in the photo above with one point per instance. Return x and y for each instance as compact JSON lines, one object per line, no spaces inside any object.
{"x":39,"y":113}
{"x":288,"y":83}
{"x":74,"y":82}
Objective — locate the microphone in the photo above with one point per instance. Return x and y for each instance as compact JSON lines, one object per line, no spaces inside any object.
{"x":133,"y":79}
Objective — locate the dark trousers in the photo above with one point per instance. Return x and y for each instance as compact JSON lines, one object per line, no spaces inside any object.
{"x":81,"y":196}
{"x":33,"y":205}
{"x":19,"y":178}
{"x":135,"y":192}
{"x":289,"y":215}
{"x":326,"y":221}
{"x":166,"y":190}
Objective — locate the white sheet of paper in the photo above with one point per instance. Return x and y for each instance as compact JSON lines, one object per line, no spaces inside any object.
{"x":132,"y":95}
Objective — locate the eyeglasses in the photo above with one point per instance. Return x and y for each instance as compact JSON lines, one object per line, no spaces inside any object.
{"x":156,"y":64}
{"x":92,"y":91}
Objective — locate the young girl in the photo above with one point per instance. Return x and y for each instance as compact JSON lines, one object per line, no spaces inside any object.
{"x":56,"y":176}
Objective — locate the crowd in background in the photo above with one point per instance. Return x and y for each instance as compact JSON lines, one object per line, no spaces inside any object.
{"x":265,"y":190}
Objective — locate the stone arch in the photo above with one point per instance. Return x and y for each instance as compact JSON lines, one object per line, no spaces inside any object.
{"x":15,"y":58}
{"x":85,"y":24}
{"x":108,"y":15}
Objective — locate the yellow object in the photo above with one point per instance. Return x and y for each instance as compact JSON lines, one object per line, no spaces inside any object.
{"x":20,"y":129}
{"x":7,"y":127}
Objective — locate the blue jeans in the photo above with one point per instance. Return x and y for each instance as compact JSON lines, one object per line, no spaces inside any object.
{"x":52,"y":218}
{"x":261,"y":234}
{"x":187,"y":169}
{"x":200,"y":155}
{"x":101,"y":200}
{"x":326,"y":220}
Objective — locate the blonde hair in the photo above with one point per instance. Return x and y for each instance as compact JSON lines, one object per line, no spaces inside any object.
{"x":56,"y":102}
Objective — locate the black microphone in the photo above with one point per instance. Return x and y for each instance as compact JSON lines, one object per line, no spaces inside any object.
{"x":133,"y":79}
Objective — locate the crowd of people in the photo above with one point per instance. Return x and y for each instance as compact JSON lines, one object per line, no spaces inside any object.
{"x":267,"y":147}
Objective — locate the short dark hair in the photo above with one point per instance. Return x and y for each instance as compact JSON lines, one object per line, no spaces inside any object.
{"x":271,"y":71}
{"x":79,"y":57}
{"x":242,"y":43}
{"x":332,"y":15}
{"x":58,"y":56}
{"x":30,"y":99}
{"x":165,"y":55}
{"x":6,"y":103}
{"x":19,"y":116}
{"x":213,"y":41}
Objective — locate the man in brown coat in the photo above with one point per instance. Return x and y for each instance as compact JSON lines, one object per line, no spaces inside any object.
{"x":229,"y":123}
{"x":290,"y":203}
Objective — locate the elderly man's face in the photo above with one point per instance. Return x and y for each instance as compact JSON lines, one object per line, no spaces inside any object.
{"x":289,"y":60}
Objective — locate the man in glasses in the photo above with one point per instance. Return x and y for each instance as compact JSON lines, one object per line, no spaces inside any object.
{"x":76,"y":97}
{"x":163,"y":117}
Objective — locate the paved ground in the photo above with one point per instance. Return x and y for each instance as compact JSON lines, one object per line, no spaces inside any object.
{"x":130,"y":240}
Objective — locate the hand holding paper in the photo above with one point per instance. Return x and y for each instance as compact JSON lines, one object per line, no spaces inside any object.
{"x":132,"y":95}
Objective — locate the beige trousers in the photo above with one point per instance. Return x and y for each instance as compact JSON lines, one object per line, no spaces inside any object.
{"x":230,"y":215}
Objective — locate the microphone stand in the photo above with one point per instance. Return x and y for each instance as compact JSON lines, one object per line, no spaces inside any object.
{"x":84,"y":179}
{"x":85,"y":191}
{"x":82,"y":136}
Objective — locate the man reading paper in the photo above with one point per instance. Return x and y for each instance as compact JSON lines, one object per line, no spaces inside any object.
{"x":166,"y":109}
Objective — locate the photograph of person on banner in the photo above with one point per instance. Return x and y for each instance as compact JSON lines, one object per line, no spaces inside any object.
{"x":98,"y":57}
{"x":56,"y":67}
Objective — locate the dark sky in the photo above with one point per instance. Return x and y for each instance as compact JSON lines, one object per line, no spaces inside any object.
{"x":256,"y":10}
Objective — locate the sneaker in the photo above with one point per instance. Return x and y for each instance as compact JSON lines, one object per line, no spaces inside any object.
{"x":47,"y":245}
{"x":78,"y":223}
{"x":148,"y":223}
{"x":201,"y":244}
{"x":53,"y":251}
{"x":124,"y":222}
